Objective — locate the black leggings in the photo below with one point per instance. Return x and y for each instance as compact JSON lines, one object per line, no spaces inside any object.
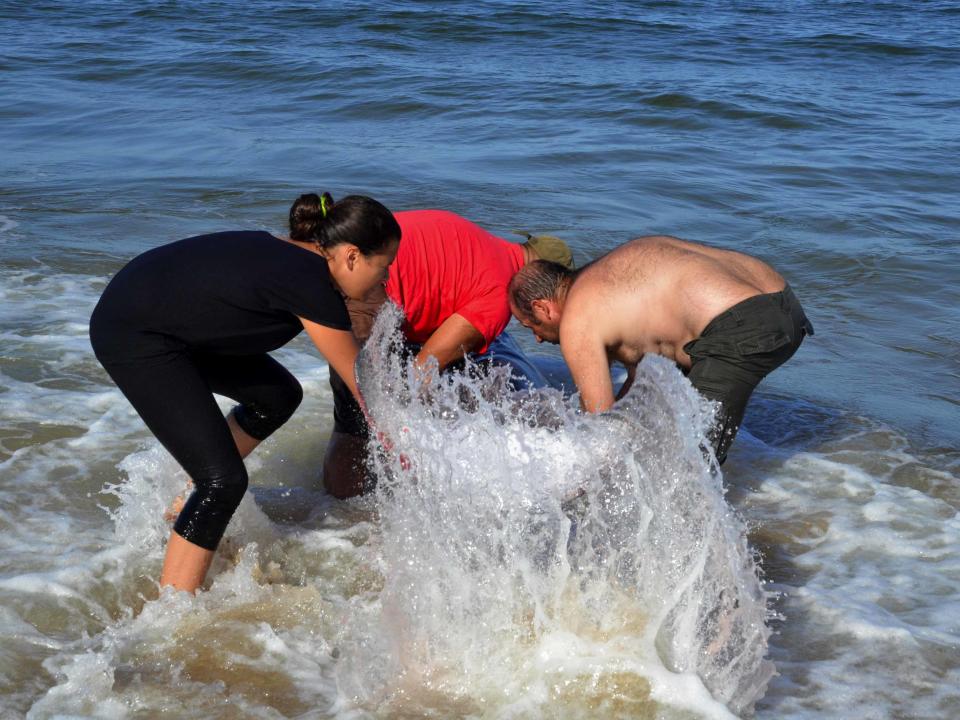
{"x":173,"y":393}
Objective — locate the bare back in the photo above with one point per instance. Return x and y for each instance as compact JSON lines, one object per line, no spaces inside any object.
{"x":657,"y":293}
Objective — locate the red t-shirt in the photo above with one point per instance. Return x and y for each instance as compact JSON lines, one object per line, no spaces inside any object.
{"x":448,"y":265}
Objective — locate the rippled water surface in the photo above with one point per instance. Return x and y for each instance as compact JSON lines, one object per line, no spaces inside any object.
{"x":821,"y":137}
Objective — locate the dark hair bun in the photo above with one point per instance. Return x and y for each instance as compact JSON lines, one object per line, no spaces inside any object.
{"x":356,"y":219}
{"x":307,"y":214}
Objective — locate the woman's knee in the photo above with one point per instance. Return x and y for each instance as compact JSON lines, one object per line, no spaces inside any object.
{"x":261,"y":418}
{"x":208,"y":510}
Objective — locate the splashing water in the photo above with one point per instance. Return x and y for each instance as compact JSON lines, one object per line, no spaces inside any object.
{"x":537,"y":557}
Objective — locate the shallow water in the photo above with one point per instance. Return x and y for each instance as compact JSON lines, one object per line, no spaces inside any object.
{"x":819,"y":137}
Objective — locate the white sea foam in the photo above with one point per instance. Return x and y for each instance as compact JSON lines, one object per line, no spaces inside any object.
{"x":646,"y":574}
{"x":880,"y":586}
{"x":858,"y":534}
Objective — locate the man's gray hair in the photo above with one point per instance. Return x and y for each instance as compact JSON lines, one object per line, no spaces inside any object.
{"x":539,"y":280}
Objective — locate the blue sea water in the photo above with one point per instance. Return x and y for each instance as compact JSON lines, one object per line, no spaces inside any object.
{"x":819,"y":136}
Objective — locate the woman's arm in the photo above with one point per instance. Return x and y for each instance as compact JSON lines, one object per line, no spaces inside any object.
{"x":339,"y":348}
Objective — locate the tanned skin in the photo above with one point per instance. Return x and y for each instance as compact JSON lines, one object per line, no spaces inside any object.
{"x":653,"y":294}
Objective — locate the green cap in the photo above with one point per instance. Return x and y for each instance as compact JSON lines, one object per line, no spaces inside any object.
{"x":548,"y":247}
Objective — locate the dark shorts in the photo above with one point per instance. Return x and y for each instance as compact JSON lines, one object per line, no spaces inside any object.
{"x":739,"y":348}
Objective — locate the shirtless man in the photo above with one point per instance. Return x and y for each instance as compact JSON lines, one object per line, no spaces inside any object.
{"x":725,"y":318}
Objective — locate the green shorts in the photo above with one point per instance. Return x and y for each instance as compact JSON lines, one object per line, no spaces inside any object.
{"x":740,"y":347}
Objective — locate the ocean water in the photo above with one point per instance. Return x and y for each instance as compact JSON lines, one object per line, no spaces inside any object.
{"x":818,"y":576}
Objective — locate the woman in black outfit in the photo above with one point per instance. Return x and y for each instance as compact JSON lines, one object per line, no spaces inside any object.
{"x":199,"y":316}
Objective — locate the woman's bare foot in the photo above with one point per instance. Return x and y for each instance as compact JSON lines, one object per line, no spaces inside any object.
{"x":173,"y":512}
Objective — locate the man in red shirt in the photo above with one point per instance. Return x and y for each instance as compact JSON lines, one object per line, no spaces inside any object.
{"x":450,"y":277}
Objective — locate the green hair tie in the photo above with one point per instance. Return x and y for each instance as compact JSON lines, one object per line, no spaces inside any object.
{"x":323,"y":205}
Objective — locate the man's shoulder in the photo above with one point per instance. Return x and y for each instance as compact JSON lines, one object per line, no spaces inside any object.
{"x":641,"y":246}
{"x":583,"y":291}
{"x":585,"y":306}
{"x":629,"y":261}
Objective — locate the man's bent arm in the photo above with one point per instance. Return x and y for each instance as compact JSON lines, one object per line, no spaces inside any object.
{"x":451,"y":341}
{"x":586,"y":357}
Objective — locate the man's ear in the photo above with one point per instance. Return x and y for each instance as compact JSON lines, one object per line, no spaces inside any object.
{"x":539,"y":308}
{"x":544,"y":309}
